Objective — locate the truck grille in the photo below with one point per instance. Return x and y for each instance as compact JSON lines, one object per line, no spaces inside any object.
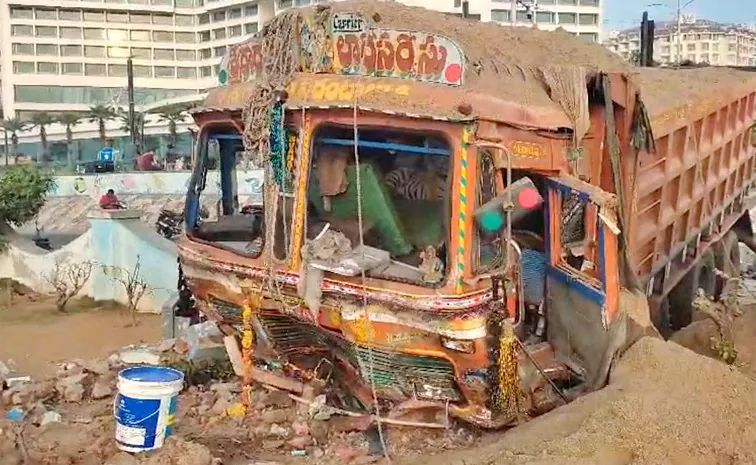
{"x":414,"y":375}
{"x":394,"y":374}
{"x":230,"y":312}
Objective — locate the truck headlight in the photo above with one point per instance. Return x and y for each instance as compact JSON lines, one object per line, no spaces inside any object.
{"x":457,"y":345}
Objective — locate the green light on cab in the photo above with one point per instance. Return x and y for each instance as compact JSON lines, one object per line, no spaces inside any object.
{"x":491,"y":221}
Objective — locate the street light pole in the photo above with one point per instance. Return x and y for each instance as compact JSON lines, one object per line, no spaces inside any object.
{"x":678,"y":46}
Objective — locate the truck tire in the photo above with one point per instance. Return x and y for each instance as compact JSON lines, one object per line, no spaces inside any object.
{"x":681,"y":298}
{"x":661,"y":319}
{"x":707,"y":278}
{"x":727,"y":254}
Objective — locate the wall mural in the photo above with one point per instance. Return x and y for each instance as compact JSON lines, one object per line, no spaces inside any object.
{"x":351,"y":47}
{"x":249,"y":183}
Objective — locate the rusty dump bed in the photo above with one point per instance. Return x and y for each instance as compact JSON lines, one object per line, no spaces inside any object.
{"x":703,"y":160}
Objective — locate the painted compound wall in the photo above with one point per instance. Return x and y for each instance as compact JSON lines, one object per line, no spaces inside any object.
{"x":249,"y":183}
{"x":115,"y":239}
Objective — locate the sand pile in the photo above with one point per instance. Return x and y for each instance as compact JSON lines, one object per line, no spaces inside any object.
{"x":664,"y":405}
{"x":667,"y":89}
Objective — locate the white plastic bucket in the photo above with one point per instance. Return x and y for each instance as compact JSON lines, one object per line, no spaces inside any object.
{"x":145,"y":406}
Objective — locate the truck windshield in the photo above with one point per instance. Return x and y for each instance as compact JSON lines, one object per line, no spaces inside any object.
{"x":404,"y":180}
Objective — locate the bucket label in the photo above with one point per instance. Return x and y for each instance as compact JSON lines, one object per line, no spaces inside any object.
{"x":137,"y":421}
{"x":130,"y":436}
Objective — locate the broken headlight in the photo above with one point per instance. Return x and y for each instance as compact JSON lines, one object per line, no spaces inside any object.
{"x":457,"y":345}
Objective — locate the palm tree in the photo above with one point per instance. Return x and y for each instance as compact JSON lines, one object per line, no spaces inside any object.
{"x":139,"y":118}
{"x":41,"y":120}
{"x":101,"y":114}
{"x":172,"y":115}
{"x":69,"y":120}
{"x":14,"y":126}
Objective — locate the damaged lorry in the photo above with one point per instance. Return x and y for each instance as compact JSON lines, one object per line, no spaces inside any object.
{"x":457,"y":215}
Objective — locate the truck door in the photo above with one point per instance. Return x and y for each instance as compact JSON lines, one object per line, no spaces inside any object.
{"x":582,"y":278}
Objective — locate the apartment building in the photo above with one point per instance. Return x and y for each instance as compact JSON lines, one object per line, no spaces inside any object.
{"x":699,"y":41}
{"x":66,"y":55}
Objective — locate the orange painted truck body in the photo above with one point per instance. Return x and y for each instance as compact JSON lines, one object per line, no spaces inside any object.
{"x":646,"y":185}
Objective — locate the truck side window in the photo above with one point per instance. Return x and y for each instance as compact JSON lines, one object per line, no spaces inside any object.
{"x":489,"y":247}
{"x":578,"y":244}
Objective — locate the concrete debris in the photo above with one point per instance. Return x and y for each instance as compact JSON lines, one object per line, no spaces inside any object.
{"x":139,"y":357}
{"x":98,"y":367}
{"x":300,"y":442}
{"x":50,"y":417}
{"x":179,"y":451}
{"x":270,"y":445}
{"x":122,"y":458}
{"x":181,"y":347}
{"x":275,"y":416}
{"x":166,"y":345}
{"x":200,"y":331}
{"x":280,"y":431}
{"x":71,"y":388}
{"x":102,"y":389}
{"x":207,"y":349}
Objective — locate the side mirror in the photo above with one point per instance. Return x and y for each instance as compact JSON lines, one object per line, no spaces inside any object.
{"x":492,"y":216}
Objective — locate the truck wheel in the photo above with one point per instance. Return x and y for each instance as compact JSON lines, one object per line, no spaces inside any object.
{"x":681,"y":298}
{"x":707,"y":278}
{"x":661,"y":318}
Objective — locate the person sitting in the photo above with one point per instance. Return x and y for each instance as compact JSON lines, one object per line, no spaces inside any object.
{"x":109,"y":201}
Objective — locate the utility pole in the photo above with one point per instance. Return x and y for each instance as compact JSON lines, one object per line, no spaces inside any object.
{"x":465,"y":9}
{"x":130,"y":88}
{"x":534,"y":13}
{"x":513,"y":12}
{"x":678,"y":51}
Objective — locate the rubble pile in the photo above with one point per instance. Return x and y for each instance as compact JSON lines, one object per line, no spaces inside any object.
{"x":68,"y":418}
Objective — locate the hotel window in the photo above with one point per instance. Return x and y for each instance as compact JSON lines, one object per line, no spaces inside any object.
{"x":70,"y":15}
{"x":98,"y":16}
{"x":23,"y":67}
{"x":47,"y":49}
{"x":70,"y":50}
{"x":23,"y":49}
{"x":142,"y":71}
{"x":94,"y":34}
{"x":47,"y":31}
{"x":47,"y":15}
{"x":47,"y":68}
{"x":94,"y":70}
{"x":22,"y":13}
{"x":117,"y":70}
{"x":94,"y":51}
{"x":70,"y":32}
{"x":73,"y":68}
{"x":165,"y":72}
{"x":187,"y":73}
{"x":140,"y":35}
{"x":141,"y":53}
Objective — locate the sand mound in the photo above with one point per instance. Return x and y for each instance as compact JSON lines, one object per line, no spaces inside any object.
{"x":664,"y":405}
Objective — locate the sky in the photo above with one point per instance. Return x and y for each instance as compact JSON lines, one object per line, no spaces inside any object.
{"x":622,"y":14}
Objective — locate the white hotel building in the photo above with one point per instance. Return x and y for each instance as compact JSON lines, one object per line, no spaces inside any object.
{"x":67,"y":55}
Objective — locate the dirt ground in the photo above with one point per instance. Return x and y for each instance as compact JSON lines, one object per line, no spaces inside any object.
{"x":664,"y":405}
{"x":34,"y":336}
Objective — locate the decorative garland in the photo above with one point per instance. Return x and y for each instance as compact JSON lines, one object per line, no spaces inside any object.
{"x":506,"y":398}
{"x":248,"y":342}
{"x":278,"y":142}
